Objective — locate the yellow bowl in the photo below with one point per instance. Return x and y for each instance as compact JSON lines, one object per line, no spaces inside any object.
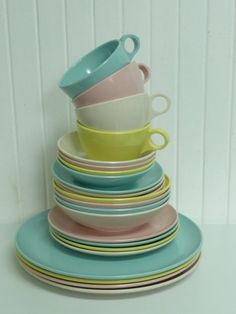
{"x":104,"y":172}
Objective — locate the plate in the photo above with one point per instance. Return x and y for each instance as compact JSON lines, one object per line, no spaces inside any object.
{"x":94,"y":193}
{"x":104,"y":251}
{"x":152,"y":177}
{"x":112,"y":289}
{"x":34,"y":244}
{"x":109,"y":211}
{"x":117,"y":245}
{"x":167,"y":275}
{"x":146,"y":198}
{"x":164,"y":221}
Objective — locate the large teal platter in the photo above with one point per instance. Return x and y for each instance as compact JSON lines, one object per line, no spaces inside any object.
{"x":34,"y":244}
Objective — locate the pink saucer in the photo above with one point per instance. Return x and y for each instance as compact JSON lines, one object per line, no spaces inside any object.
{"x":164,"y":220}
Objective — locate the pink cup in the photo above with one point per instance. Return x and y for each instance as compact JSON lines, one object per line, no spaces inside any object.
{"x":128,"y":81}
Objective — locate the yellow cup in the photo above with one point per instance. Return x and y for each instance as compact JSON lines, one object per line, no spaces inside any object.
{"x":116,"y":146}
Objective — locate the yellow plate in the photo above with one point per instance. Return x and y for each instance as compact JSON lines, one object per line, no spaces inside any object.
{"x":83,"y":280}
{"x":149,"y":196}
{"x":104,"y":172}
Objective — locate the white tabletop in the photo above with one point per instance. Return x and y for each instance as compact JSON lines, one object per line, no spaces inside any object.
{"x":211,"y":289}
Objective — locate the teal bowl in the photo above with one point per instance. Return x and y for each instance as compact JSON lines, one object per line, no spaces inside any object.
{"x":60,"y":171}
{"x":97,"y":65}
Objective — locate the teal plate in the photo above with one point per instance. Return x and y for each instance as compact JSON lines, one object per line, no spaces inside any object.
{"x":152,"y":176}
{"x":34,"y":244}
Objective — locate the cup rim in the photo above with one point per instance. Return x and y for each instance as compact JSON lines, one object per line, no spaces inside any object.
{"x":63,"y":83}
{"x":105,"y":132}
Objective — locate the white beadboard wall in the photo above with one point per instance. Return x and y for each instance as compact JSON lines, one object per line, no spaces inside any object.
{"x":191,"y":49}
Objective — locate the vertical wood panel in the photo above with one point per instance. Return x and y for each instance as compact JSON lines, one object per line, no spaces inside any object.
{"x":52,"y":65}
{"x":217,"y":123}
{"x":107,"y":20}
{"x":138,"y":22}
{"x":79,"y":32}
{"x":8,"y":166}
{"x":193,"y":19}
{"x":164,"y":66}
{"x":232,"y":157}
{"x":25,"y":67}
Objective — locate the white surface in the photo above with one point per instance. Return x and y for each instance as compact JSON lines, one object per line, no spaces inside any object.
{"x":210,"y":289}
{"x":190,"y":47}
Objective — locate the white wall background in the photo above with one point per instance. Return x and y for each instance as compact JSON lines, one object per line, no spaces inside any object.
{"x":190,"y":46}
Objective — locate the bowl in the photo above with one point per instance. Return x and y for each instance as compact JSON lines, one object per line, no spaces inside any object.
{"x":112,"y":223}
{"x":100,"y":180}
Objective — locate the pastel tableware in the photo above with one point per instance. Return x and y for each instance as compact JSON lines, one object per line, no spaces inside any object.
{"x":107,"y":167}
{"x":34,"y":245}
{"x":108,"y":145}
{"x":105,"y":172}
{"x":127,"y":81}
{"x":109,"y":211}
{"x":121,"y":114}
{"x":164,"y":221}
{"x":50,"y":278}
{"x":70,"y":146}
{"x":117,"y":245}
{"x":113,"y":251}
{"x":133,"y":201}
{"x":111,"y":222}
{"x":97,"y":65}
{"x":93,"y":180}
{"x":148,"y":180}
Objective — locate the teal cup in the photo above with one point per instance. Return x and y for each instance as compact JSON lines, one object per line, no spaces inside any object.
{"x":98,"y":65}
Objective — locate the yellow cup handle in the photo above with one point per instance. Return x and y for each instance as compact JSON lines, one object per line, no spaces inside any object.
{"x":152,"y":146}
{"x":167,"y":104}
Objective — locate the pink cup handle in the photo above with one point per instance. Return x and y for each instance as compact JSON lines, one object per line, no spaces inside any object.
{"x":146,"y":71}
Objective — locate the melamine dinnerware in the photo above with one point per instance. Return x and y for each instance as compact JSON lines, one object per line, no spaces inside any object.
{"x":70,"y":146}
{"x":97,"y":65}
{"x":119,"y":145}
{"x":161,"y":280}
{"x":164,"y":221}
{"x":153,"y":177}
{"x":104,"y":251}
{"x":109,"y":168}
{"x":92,"y":180}
{"x":127,"y":81}
{"x":167,"y":277}
{"x":112,"y":222}
{"x":141,"y":200}
{"x":116,"y":245}
{"x":34,"y":245}
{"x":105,"y":172}
{"x":109,"y":211}
{"x":123,"y":114}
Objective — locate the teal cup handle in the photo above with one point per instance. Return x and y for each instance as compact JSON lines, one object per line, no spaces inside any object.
{"x":136,"y":43}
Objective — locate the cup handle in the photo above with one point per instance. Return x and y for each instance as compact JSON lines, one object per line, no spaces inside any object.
{"x":146,"y":71}
{"x":154,"y":112}
{"x":150,"y":146}
{"x":136,"y":42}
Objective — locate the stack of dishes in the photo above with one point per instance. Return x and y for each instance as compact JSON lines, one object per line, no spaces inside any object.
{"x":112,"y":229}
